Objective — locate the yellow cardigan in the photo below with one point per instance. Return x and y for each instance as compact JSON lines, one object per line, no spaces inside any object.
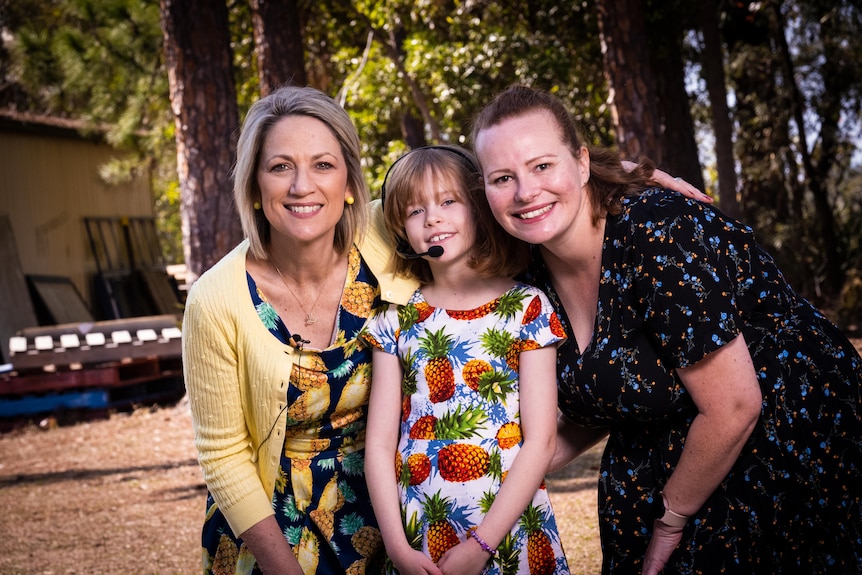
{"x":236,"y":376}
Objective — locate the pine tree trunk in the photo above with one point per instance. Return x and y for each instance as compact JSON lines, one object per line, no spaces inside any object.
{"x":713,"y":73}
{"x":203,"y":99}
{"x":679,"y":146}
{"x":630,"y":79}
{"x":278,"y":44}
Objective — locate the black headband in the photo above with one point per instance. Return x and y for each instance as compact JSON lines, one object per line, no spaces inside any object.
{"x":403,"y":248}
{"x":451,"y":149}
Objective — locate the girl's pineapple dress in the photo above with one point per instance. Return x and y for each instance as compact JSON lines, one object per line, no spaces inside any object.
{"x":321,"y":500}
{"x":460,"y":429}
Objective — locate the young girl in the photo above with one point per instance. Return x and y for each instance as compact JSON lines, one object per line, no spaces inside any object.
{"x":462,"y":412}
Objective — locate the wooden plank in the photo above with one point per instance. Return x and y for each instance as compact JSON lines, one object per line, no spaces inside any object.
{"x":115,"y":375}
{"x":93,"y":399}
{"x":95,"y":355}
{"x":99,"y":342}
{"x":133,"y":324}
{"x":44,"y":382}
{"x":59,"y":299}
{"x":158,"y":285}
{"x":16,"y":309}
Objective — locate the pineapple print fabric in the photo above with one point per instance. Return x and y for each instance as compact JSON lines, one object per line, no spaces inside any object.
{"x":321,"y":501}
{"x":678,"y":281}
{"x":460,"y":428}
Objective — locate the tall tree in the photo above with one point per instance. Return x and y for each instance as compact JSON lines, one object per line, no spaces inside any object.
{"x":831,"y":265}
{"x":713,"y":74}
{"x":791,"y":104}
{"x":203,"y":99}
{"x":391,"y":34}
{"x":679,"y":146}
{"x":761,"y":114}
{"x":100,"y":59}
{"x":630,"y":79}
{"x":278,"y":43}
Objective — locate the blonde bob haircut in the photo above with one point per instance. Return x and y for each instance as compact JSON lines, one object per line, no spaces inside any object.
{"x":261,"y":117}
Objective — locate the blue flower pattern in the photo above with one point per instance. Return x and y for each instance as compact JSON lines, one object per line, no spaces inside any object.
{"x":679,"y":280}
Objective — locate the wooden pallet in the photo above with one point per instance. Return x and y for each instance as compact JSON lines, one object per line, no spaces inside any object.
{"x":96,"y":367}
{"x":47,"y":348}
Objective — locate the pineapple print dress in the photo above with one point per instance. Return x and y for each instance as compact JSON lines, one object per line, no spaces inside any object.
{"x":460,"y":429}
{"x":678,"y":281}
{"x":321,"y":500}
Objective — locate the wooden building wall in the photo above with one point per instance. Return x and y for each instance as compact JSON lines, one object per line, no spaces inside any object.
{"x":49,"y":182}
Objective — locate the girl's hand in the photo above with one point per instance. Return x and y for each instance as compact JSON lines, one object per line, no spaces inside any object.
{"x":665,"y":180}
{"x":413,"y":562}
{"x":664,"y":540}
{"x":466,"y":558}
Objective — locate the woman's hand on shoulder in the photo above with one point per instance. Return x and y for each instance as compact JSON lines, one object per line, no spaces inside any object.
{"x":665,"y":180}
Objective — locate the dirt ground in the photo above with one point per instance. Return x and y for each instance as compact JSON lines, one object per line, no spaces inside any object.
{"x":124,"y":496}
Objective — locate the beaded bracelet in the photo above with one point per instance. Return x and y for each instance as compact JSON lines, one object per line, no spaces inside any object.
{"x":485,"y":547}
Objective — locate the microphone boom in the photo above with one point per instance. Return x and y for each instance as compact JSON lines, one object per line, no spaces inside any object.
{"x":433,"y":252}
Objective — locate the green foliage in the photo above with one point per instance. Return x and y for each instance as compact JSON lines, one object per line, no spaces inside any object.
{"x":456,"y":54}
{"x":244,"y":61}
{"x":797,"y":133}
{"x":392,"y":62}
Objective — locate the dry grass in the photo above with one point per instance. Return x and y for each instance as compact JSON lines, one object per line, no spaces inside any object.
{"x":573,"y":495}
{"x":124,"y":496}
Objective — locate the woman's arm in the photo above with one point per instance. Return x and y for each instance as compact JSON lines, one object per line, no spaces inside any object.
{"x":572,"y":441}
{"x":211,"y":371}
{"x":222,"y":438}
{"x":724,"y":387}
{"x":271,"y":550}
{"x":538,"y":399}
{"x":381,"y":447}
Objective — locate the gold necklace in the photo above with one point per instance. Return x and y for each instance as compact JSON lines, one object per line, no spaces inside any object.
{"x":309,"y":317}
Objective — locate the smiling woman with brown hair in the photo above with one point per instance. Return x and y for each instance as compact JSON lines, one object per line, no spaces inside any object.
{"x":734,"y":407}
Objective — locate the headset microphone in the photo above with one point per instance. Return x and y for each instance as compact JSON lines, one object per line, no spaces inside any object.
{"x":433,"y":252}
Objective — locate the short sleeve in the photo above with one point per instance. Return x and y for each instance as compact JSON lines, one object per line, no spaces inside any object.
{"x":539,"y":321}
{"x":685,"y":276}
{"x":381,"y":331}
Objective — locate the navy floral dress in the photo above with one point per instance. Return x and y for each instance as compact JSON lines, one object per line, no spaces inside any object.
{"x":678,"y":281}
{"x":321,"y":501}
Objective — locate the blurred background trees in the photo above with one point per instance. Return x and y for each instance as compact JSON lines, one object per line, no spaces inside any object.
{"x":757,"y":102}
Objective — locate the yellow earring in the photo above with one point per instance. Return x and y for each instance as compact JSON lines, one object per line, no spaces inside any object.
{"x":256,"y":205}
{"x":349,"y":200}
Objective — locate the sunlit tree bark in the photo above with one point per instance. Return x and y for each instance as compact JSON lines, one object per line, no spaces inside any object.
{"x":630,"y":80}
{"x":203,"y":101}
